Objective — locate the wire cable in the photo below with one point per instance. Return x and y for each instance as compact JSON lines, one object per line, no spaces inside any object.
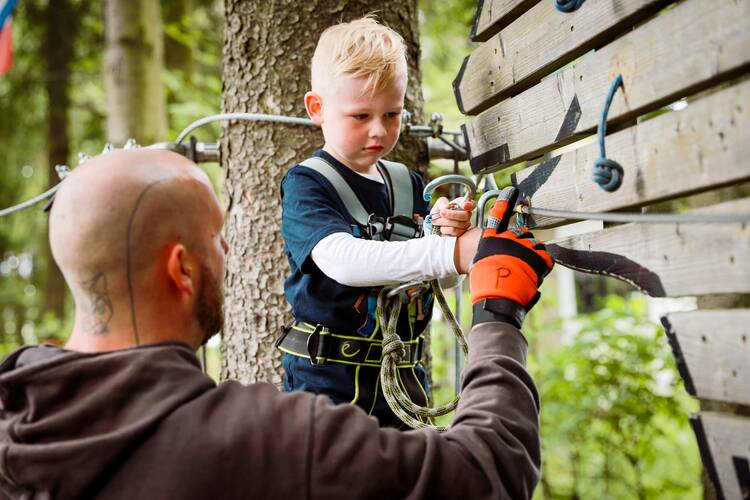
{"x":636,"y":217}
{"x":254,"y":117}
{"x":30,"y":203}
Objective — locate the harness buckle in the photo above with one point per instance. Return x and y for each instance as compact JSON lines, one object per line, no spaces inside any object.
{"x":376,"y":227}
{"x":401,"y":227}
{"x":317,"y":346}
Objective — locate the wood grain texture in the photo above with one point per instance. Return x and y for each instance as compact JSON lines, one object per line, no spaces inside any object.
{"x":667,"y":260}
{"x":724,"y":443}
{"x":686,"y":49}
{"x":677,"y":153}
{"x":267,"y":70}
{"x":541,"y":40}
{"x":712,"y":349}
{"x":494,"y":15}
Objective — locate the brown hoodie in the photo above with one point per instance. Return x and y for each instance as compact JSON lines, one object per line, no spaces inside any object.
{"x":145,"y":423}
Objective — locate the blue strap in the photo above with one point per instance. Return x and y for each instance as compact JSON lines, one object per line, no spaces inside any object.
{"x":568,"y":5}
{"x":607,"y":173}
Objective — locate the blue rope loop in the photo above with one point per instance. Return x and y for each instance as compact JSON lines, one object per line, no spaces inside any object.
{"x":568,"y":6}
{"x":607,"y":173}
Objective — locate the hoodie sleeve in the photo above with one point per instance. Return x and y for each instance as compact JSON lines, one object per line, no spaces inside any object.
{"x":491,"y":451}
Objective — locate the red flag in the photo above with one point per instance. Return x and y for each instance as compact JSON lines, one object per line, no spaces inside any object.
{"x":6,"y":48}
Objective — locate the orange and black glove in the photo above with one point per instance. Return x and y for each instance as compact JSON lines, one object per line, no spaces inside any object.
{"x":508,"y":268}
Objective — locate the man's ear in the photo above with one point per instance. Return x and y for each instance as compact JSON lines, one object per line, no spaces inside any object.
{"x":181,"y":269}
{"x":314,"y":107}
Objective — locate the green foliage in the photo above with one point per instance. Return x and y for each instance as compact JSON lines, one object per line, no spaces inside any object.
{"x":614,"y":413}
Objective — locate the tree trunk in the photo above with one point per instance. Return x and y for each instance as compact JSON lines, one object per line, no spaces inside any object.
{"x":60,"y":28}
{"x":267,"y":51}
{"x":133,"y":66}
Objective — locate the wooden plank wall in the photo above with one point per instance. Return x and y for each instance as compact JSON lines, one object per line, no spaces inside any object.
{"x":533,"y":92}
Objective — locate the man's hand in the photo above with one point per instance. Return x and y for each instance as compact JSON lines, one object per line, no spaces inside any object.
{"x":454,"y":217}
{"x":508,"y":268}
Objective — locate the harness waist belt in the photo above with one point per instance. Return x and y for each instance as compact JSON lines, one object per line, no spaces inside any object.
{"x":318,"y":344}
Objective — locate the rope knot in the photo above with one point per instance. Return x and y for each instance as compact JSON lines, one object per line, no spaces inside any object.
{"x":394,"y":347}
{"x":608,"y":174}
{"x":568,"y":5}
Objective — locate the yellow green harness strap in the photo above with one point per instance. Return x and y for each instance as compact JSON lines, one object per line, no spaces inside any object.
{"x":320,"y":345}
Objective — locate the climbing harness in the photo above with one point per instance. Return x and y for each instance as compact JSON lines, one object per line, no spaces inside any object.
{"x":568,"y":6}
{"x":607,"y":173}
{"x":400,"y":225}
{"x":388,"y":310}
{"x":319,"y":343}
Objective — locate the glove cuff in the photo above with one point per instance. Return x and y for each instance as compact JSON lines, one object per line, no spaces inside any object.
{"x":504,"y":310}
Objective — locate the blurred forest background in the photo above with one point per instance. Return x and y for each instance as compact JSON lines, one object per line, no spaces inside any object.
{"x":614,"y":411}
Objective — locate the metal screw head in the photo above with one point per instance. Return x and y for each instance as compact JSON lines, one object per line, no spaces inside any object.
{"x":107,"y":148}
{"x":83,"y":158}
{"x":131,"y":144}
{"x":62,"y":171}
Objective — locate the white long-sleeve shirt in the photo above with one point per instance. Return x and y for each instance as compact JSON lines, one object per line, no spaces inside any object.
{"x":356,"y":262}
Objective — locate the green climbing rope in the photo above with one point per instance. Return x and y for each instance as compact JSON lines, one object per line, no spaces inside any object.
{"x":413,"y":415}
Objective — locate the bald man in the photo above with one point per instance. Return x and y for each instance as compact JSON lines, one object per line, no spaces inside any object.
{"x":124,"y":411}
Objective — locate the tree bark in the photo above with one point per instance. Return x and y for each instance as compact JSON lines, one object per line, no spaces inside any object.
{"x":136,"y":106}
{"x":267,"y":51}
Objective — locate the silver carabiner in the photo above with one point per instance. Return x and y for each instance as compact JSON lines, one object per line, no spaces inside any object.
{"x":403,"y":290}
{"x":505,"y":194}
{"x":471,"y":187}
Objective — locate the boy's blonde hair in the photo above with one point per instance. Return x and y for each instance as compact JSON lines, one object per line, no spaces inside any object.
{"x":361,"y":48}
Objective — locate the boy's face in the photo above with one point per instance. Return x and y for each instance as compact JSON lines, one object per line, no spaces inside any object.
{"x":358,"y":129}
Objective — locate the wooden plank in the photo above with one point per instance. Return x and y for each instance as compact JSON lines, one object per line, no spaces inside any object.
{"x":724,"y":443}
{"x":541,"y":40}
{"x":667,"y":260}
{"x":687,"y":49}
{"x":699,"y":148}
{"x":494,"y":15}
{"x":712,"y":349}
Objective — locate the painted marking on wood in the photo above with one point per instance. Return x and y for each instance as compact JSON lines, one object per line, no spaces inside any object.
{"x":661,"y":61}
{"x":493,"y":15}
{"x":701,"y":147}
{"x":540,"y":41}
{"x":724,"y":444}
{"x":712,"y":350}
{"x":688,"y":259}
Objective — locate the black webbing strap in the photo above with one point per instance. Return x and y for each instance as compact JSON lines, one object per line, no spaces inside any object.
{"x":318,"y":344}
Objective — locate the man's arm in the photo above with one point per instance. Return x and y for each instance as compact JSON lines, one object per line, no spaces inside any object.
{"x":492,"y":449}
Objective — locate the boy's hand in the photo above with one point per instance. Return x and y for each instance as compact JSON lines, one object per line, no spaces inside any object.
{"x":454,"y":217}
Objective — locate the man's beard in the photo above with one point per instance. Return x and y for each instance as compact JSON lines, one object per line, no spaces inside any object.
{"x":209,"y":310}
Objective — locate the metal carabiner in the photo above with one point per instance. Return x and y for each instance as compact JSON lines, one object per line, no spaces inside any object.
{"x":471,"y":187}
{"x":487,"y":196}
{"x":408,"y":290}
{"x":507,"y":194}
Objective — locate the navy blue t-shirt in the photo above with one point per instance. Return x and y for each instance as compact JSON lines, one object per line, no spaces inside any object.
{"x":313,"y":210}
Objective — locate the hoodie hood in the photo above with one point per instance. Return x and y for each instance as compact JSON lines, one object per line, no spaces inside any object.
{"x":69,"y":419}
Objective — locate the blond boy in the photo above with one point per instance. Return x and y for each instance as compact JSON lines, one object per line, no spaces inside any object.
{"x":338,"y":266}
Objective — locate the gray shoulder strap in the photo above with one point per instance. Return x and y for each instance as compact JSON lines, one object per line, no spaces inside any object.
{"x":343,"y":189}
{"x":401,"y":188}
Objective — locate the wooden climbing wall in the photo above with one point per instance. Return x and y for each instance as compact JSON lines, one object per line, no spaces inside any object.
{"x":534,"y":89}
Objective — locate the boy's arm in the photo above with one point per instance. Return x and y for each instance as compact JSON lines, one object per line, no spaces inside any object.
{"x":356,"y":262}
